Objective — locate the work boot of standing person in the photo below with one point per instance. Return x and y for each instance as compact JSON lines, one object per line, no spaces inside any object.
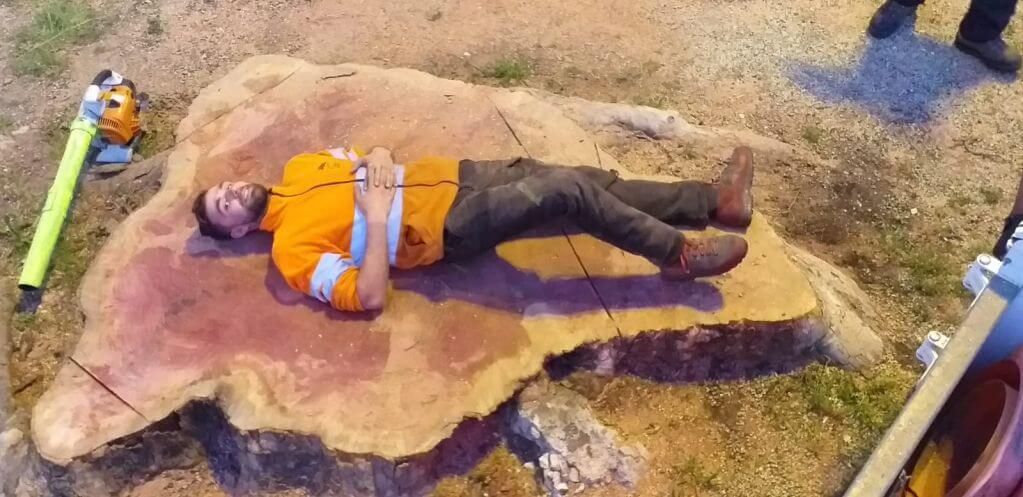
{"x":980,"y":34}
{"x":995,"y":54}
{"x":890,"y":16}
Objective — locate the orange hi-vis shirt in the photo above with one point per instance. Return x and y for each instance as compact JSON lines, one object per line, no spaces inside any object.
{"x":320,"y":234}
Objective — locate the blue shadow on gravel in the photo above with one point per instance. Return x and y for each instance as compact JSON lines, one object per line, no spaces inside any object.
{"x":904,"y":79}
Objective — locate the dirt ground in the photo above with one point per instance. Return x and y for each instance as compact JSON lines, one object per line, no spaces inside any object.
{"x":924,"y":140}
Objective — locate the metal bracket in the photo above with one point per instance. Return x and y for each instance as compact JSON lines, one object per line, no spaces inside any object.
{"x":979,"y":273}
{"x":930,"y":350}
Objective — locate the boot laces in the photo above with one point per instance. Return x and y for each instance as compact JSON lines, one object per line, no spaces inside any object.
{"x":701,"y":249}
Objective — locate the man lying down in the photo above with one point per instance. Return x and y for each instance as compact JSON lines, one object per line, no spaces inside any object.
{"x":340,"y":219}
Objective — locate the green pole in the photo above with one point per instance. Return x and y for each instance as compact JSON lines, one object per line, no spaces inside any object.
{"x":58,"y":201}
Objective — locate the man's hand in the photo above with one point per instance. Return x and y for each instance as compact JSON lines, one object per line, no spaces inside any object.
{"x":374,"y":197}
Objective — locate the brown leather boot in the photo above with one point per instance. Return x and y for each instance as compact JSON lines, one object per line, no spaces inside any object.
{"x":735,"y":190}
{"x":707,"y":257}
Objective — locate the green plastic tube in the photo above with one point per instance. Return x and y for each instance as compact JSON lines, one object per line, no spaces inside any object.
{"x":58,"y":201}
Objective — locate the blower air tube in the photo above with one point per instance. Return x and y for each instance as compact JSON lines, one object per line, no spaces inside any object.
{"x":58,"y":201}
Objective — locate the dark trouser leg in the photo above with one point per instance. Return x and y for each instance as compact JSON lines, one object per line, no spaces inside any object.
{"x":986,"y":19}
{"x":689,"y":203}
{"x":497,"y":205}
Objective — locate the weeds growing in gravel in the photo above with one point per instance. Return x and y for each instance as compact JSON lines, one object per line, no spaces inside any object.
{"x":154,"y":26}
{"x":991,"y":195}
{"x":57,"y":25}
{"x":508,"y":71}
{"x":813,"y":134}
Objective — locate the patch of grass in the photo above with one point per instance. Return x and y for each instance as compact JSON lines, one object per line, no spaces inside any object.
{"x":508,"y":71}
{"x":77,"y":247}
{"x":57,"y":25}
{"x":154,"y":26}
{"x":5,"y":124}
{"x":975,"y":248}
{"x":575,"y":72}
{"x":655,"y":101}
{"x":930,"y":271}
{"x":159,"y":122}
{"x":499,"y":473}
{"x":868,"y":403}
{"x":16,"y":233}
{"x":693,"y":474}
{"x":960,"y":201}
{"x":154,"y":141}
{"x":23,"y":321}
{"x":813,"y":134}
{"x":991,"y":195}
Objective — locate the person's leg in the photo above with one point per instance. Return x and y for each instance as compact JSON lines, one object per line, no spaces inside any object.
{"x":486,"y":216}
{"x":1011,"y":231}
{"x":986,"y":19}
{"x":980,"y":34}
{"x":690,"y":203}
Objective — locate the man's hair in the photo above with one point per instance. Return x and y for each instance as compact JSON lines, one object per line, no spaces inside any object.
{"x":206,"y":228}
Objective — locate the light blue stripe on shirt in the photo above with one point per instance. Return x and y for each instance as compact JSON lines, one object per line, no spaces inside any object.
{"x":328,"y":271}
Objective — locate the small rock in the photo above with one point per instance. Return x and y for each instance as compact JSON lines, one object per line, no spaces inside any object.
{"x":8,"y":81}
{"x":545,"y":461}
{"x":557,"y":461}
{"x":847,"y":439}
{"x":914,"y":211}
{"x":20,"y":131}
{"x":10,"y":438}
{"x":573,"y":475}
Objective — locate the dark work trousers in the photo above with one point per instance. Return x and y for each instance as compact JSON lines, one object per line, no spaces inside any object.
{"x":500,"y":199}
{"x":984,"y":21}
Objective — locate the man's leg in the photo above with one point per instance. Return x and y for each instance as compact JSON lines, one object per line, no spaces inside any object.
{"x":486,"y":216}
{"x":728,"y":201}
{"x":980,"y":34}
{"x":690,"y":203}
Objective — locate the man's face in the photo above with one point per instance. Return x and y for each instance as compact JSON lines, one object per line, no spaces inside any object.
{"x":235,"y":207}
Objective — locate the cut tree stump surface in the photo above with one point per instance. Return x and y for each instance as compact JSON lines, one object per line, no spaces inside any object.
{"x":173,"y":317}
